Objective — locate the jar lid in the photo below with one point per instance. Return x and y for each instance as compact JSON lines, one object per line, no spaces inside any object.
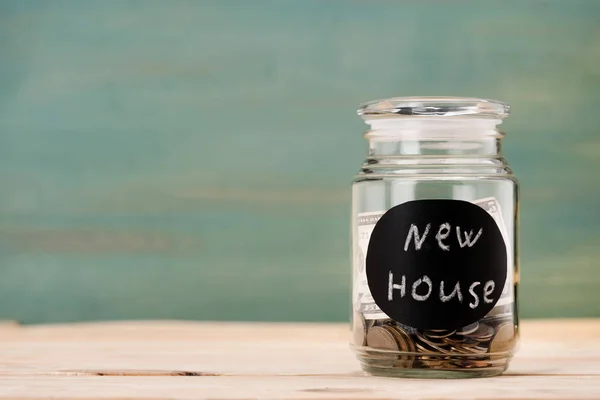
{"x":397,"y":107}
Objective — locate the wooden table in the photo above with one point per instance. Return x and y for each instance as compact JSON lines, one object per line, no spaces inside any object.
{"x":558,"y":359}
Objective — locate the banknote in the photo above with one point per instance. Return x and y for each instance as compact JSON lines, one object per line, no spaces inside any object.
{"x":363,"y":301}
{"x":492,"y":206}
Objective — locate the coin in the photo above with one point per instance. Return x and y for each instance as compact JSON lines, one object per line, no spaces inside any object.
{"x":380,"y":337}
{"x":422,"y":348}
{"x":479,"y":349}
{"x":456,"y":339}
{"x":438,"y":333}
{"x":460,"y":350}
{"x":426,"y":344}
{"x":359,"y":330}
{"x":421,"y":336}
{"x":503,"y":339}
{"x":483,"y":333}
{"x":404,"y":341}
{"x":467,"y":347}
{"x":470,"y":342}
{"x":434,"y":348}
{"x":406,"y":345}
{"x":467,"y":330}
{"x":434,"y":364}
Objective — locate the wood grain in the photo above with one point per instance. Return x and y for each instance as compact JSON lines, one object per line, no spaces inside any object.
{"x":558,"y":359}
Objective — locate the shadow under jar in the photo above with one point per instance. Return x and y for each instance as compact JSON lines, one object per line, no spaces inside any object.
{"x":434,"y":238}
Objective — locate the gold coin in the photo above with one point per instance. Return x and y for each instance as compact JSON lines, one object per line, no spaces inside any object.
{"x":438,"y":349}
{"x":406,"y":345}
{"x":439,"y":364}
{"x":359,"y":330}
{"x":434,"y":346}
{"x":404,"y":341}
{"x":438,"y":333}
{"x":456,"y":339}
{"x":503,"y":339}
{"x":431,"y":342}
{"x":422,"y":348}
{"x":467,"y":346}
{"x":379,"y":337}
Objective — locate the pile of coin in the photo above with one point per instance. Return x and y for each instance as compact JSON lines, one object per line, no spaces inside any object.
{"x":475,"y":345}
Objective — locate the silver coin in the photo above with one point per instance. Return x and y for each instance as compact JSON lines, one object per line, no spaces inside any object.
{"x":380,"y":337}
{"x":455,"y":339}
{"x":467,"y":330}
{"x":480,"y":349}
{"x":483,"y":333}
{"x":503,"y":339}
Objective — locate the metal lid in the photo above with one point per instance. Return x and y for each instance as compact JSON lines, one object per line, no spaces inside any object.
{"x":398,"y":107}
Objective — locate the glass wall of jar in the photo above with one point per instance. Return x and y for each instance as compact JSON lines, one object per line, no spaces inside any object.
{"x":435,"y":240}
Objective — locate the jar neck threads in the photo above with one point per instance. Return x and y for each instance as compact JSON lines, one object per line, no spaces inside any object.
{"x":434,"y":137}
{"x":485,"y":147}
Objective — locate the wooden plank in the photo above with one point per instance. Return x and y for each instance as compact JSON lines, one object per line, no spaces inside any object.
{"x":558,"y":359}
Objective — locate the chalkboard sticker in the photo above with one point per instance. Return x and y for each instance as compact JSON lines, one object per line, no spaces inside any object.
{"x":436,"y":264}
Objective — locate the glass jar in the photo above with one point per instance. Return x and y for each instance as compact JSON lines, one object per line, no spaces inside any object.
{"x":434,"y":238}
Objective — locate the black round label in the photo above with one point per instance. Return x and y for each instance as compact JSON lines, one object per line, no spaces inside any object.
{"x":436,"y":264}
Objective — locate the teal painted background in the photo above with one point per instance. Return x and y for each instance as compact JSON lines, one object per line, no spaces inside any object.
{"x":192,"y":159}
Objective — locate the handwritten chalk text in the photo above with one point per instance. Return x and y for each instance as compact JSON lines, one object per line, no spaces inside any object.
{"x":423,"y":288}
{"x":464,"y":238}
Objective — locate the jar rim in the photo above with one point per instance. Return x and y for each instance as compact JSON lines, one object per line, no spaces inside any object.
{"x":433,"y":106}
